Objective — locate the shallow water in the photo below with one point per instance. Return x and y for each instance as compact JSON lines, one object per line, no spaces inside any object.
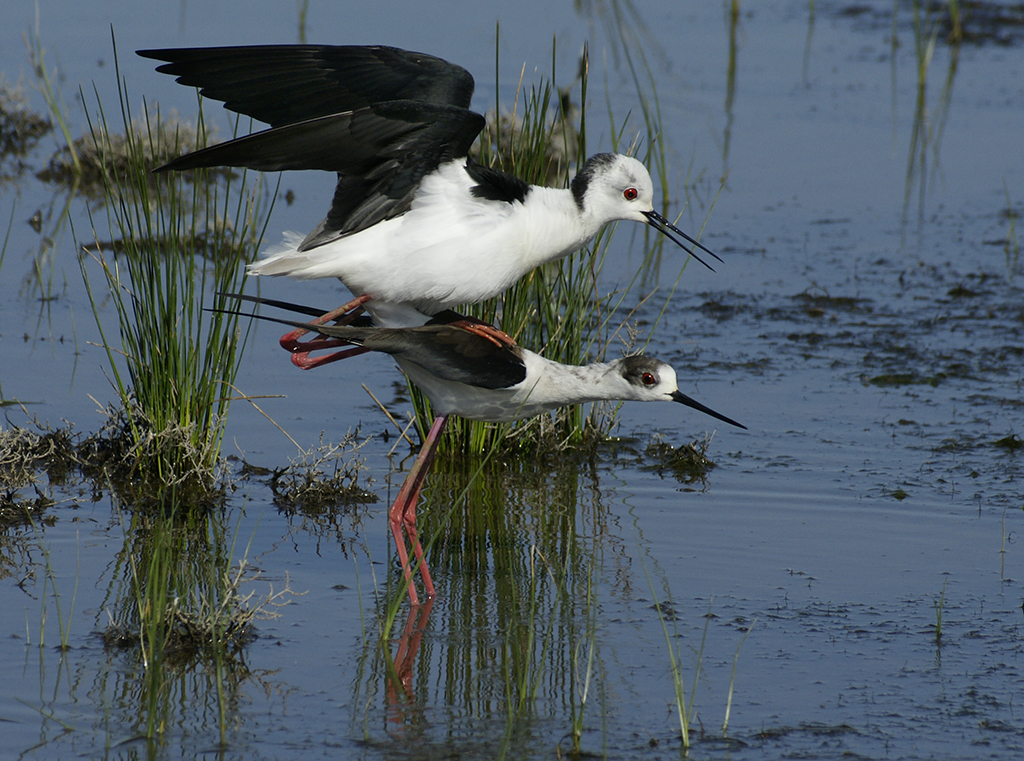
{"x":869,"y":334}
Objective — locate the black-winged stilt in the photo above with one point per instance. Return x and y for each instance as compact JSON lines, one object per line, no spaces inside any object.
{"x":415,"y":226}
{"x":482,"y":377}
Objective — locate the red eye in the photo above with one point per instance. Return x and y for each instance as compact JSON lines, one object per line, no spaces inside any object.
{"x":648,"y":379}
{"x":630,"y":194}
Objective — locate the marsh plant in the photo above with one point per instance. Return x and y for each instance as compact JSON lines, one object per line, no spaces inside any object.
{"x":558,"y":309}
{"x":685,"y":707}
{"x":927,"y":128}
{"x":321,"y":478}
{"x":176,"y":243}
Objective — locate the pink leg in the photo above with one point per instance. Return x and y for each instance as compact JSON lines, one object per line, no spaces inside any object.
{"x":402,"y":514}
{"x":395,"y":519}
{"x":301,"y":349}
{"x":303,"y":361}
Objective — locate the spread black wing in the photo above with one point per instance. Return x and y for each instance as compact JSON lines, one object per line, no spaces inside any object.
{"x":286,"y":84}
{"x":381,"y":118}
{"x":380,"y":152}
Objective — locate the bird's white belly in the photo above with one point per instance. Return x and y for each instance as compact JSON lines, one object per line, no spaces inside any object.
{"x":472,"y":403}
{"x":433,"y":260}
{"x":436,"y":262}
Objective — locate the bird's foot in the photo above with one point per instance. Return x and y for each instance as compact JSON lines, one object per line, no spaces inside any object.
{"x":485,"y":330}
{"x":300,"y":350}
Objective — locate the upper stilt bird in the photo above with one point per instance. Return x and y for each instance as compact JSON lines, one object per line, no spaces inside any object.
{"x":483,"y":377}
{"x":415,"y":226}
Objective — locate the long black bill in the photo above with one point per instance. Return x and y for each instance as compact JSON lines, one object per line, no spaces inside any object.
{"x":666,"y":228}
{"x":679,"y":396}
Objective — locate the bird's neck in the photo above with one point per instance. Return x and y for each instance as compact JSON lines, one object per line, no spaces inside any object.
{"x":555,"y":225}
{"x":558,"y":384}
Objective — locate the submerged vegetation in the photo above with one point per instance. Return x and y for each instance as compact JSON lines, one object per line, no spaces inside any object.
{"x":20,"y":129}
{"x":689,"y":463}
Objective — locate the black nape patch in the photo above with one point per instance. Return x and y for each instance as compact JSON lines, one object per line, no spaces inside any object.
{"x":635,"y":365}
{"x":495,"y":185}
{"x":581,"y":181}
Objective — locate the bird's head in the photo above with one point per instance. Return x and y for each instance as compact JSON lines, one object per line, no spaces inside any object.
{"x":611,"y":186}
{"x":651,"y":380}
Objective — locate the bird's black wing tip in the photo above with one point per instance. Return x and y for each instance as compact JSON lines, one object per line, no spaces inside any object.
{"x":155,"y":54}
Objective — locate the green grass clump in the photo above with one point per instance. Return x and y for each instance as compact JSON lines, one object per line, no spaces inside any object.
{"x":177,"y":241}
{"x":554,"y":309}
{"x":558,"y":309}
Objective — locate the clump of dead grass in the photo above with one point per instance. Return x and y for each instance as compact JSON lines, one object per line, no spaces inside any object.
{"x":20,"y":128}
{"x":321,"y":478}
{"x":101,"y":157}
{"x":687,"y":463}
{"x":24,"y":452}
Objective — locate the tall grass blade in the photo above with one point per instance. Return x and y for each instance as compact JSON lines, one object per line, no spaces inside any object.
{"x":683,"y":712}
{"x":732,"y":679}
